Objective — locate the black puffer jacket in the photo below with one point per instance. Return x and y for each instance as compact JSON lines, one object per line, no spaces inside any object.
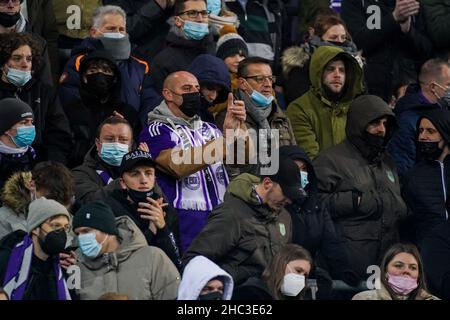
{"x":312,"y":227}
{"x":360,"y":187}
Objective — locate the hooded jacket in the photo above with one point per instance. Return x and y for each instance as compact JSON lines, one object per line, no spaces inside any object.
{"x":88,"y":112}
{"x":253,"y":233}
{"x":136,"y":89}
{"x":295,"y":63}
{"x":361,"y":188}
{"x":210,"y":70}
{"x":178,"y":55}
{"x":197,"y":273}
{"x":16,"y":198}
{"x":425,"y":186}
{"x":137,"y":270}
{"x":408,"y":109}
{"x":317,"y":122}
{"x":312,"y":227}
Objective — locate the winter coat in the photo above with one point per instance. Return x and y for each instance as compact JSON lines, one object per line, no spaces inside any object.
{"x":211,"y":70}
{"x":52,"y":140}
{"x":391,"y":55}
{"x":197,"y":273}
{"x":16,"y":198}
{"x":178,"y":55}
{"x":166,"y":238}
{"x":349,"y":171}
{"x":319,"y":123}
{"x":312,"y":227}
{"x":89,"y":186}
{"x":295,"y":63}
{"x":253,"y":288}
{"x":136,"y":90}
{"x":42,"y":21}
{"x":383,"y":294}
{"x":146,"y":25}
{"x":41,"y":279}
{"x":88,"y":112}
{"x":12,"y":163}
{"x":408,"y":109}
{"x":423,"y":191}
{"x":263,"y":27}
{"x":437,"y":14}
{"x":242,"y":235}
{"x":137,"y":270}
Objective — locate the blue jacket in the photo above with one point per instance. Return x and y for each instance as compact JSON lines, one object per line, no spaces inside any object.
{"x":402,"y":145}
{"x":209,"y":69}
{"x":137,"y":89}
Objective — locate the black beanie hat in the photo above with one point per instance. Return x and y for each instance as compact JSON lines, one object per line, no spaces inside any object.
{"x":97,"y":215}
{"x":13,"y":110}
{"x":230,"y":44}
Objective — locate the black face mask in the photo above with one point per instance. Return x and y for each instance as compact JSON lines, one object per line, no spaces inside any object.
{"x":8,"y":20}
{"x":191,"y":104}
{"x":374,"y":146}
{"x":331,"y":95}
{"x":215,"y":295}
{"x":428,"y":150}
{"x":54,"y":242}
{"x":141,"y":196}
{"x":100,"y":84}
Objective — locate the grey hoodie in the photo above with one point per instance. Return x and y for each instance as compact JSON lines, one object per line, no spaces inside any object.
{"x":137,"y":270}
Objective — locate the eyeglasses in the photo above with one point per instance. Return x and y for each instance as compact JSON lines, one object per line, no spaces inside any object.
{"x":5,"y":2}
{"x":58,"y":227}
{"x":194,"y":13}
{"x":260,"y":79}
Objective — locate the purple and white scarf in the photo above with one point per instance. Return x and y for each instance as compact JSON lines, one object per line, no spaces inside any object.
{"x":18,"y":271}
{"x":192,"y":191}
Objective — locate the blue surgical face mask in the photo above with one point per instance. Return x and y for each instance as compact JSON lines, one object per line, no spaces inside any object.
{"x":304,"y":178}
{"x":112,"y":153}
{"x":25,"y":136}
{"x":89,"y":245}
{"x":195,"y":30}
{"x":260,"y":100}
{"x":214,"y":6}
{"x":113,"y":35}
{"x":18,"y":77}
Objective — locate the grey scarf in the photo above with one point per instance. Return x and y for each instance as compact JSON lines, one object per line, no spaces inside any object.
{"x":163,"y":114}
{"x":119,"y":49}
{"x":259,"y":114}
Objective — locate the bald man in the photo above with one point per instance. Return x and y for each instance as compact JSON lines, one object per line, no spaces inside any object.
{"x":190,"y":152}
{"x":432,"y":92}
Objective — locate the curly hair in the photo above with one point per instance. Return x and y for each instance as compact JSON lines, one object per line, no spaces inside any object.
{"x":12,"y":41}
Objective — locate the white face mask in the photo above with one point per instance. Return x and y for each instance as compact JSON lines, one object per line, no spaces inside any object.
{"x":292,"y":284}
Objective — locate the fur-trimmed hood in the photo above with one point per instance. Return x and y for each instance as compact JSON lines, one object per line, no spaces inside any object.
{"x":15,"y":194}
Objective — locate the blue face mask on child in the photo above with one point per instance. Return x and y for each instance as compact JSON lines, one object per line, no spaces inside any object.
{"x":214,"y":6}
{"x":89,"y":245}
{"x":112,"y":153}
{"x":195,"y":30}
{"x":260,"y":100}
{"x":304,"y":178}
{"x":25,"y":136}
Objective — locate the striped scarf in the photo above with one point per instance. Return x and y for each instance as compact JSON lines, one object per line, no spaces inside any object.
{"x":18,"y":272}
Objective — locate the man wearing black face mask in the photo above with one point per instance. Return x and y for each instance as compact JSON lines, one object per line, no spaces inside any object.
{"x":141,"y":199}
{"x":33,"y":257}
{"x":425,"y":190}
{"x":358,"y":183}
{"x":100,"y":97}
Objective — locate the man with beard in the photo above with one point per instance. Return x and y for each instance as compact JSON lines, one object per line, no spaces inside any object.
{"x":318,"y":117}
{"x":358,"y":183}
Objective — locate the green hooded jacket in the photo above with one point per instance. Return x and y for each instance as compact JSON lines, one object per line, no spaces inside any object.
{"x":317,"y":122}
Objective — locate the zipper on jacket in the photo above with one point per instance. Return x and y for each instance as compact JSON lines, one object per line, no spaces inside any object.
{"x":444,"y":188}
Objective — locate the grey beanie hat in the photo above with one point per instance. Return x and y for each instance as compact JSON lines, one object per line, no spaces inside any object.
{"x":13,"y":110}
{"x":42,"y":209}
